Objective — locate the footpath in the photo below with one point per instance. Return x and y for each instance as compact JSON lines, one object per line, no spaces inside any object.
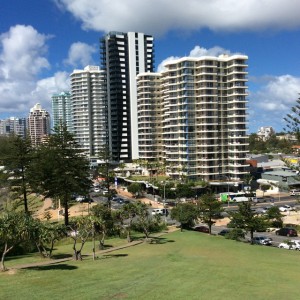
{"x":99,"y":252}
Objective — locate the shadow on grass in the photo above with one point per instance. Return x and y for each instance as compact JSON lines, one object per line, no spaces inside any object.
{"x":8,"y":258}
{"x":53,"y":267}
{"x":113,"y":255}
{"x":61,"y":255}
{"x":159,"y":240}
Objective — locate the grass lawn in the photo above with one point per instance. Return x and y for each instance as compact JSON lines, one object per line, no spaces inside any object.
{"x":188,"y":265}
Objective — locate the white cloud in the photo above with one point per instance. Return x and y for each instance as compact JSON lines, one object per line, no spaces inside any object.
{"x":273,"y":100}
{"x":23,"y":53}
{"x":279,"y":93}
{"x":196,"y":52}
{"x":80,"y":54}
{"x":22,"y":50}
{"x":160,"y":16}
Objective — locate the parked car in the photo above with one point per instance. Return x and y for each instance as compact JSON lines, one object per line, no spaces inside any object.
{"x":261,"y":210}
{"x":286,"y":208}
{"x":294,"y":192}
{"x":262,"y":240}
{"x":290,"y":245}
{"x":79,"y":198}
{"x":116,"y":198}
{"x":201,"y":229}
{"x":160,"y":211}
{"x":223,"y":232}
{"x":96,"y":190}
{"x":86,"y":200}
{"x":287,"y":231}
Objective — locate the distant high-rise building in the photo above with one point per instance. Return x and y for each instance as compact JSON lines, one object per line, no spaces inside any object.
{"x":204,"y":119}
{"x":61,"y":110}
{"x":38,"y":124}
{"x":123,"y":56}
{"x":265,"y":132}
{"x":13,"y":125}
{"x":89,"y":118}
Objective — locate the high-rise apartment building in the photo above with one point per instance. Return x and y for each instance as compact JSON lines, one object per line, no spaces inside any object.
{"x":123,"y":56}
{"x":150,"y":116}
{"x":13,"y":125}
{"x":38,"y":124}
{"x":61,"y":110}
{"x":204,"y":117}
{"x":88,"y":109}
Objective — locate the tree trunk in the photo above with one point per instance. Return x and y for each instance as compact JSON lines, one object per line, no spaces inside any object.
{"x":66,"y":211}
{"x":24,"y":192}
{"x":128,"y":236}
{"x":5,"y":251}
{"x":40,"y":250}
{"x":251,"y":236}
{"x":101,"y":245}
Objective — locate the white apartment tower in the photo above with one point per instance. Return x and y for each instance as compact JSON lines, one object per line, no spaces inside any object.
{"x":150,"y":116}
{"x":38,"y":124}
{"x":88,"y":109}
{"x":123,"y":57}
{"x":61,"y":110}
{"x":204,"y":117}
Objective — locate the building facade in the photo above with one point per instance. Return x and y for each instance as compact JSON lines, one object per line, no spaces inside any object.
{"x":13,"y":125}
{"x":150,"y":116}
{"x":61,"y":110}
{"x":204,"y":118}
{"x":88,"y":109}
{"x":123,"y":57}
{"x":38,"y":124}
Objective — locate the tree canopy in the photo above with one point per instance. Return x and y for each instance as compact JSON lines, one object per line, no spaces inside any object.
{"x":61,"y":169}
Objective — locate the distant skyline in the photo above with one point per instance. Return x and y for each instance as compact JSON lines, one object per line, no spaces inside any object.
{"x":42,"y":42}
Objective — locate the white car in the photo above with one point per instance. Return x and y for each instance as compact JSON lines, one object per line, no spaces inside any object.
{"x":80,"y":198}
{"x":285,"y":208}
{"x":96,"y":190}
{"x":291,"y":245}
{"x":160,"y":211}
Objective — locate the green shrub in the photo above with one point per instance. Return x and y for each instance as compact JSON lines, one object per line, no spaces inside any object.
{"x":236,"y":234}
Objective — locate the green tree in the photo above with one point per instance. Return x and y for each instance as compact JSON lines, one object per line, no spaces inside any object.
{"x":45,"y":234}
{"x":18,"y":163}
{"x":127,"y":214}
{"x":247,"y":219}
{"x":274,"y":216}
{"x":15,"y":227}
{"x":293,"y":120}
{"x":81,"y":228}
{"x":61,"y":169}
{"x":104,"y":222}
{"x":185,"y":190}
{"x":186,"y":214}
{"x":209,"y":208}
{"x":106,"y":170}
{"x":135,"y":188}
{"x":144,"y":223}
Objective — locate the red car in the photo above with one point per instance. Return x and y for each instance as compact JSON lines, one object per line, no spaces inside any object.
{"x":202,"y":229}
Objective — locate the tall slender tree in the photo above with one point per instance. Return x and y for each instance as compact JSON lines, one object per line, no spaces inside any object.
{"x":62,"y":169}
{"x":209,"y":208}
{"x":106,"y":169}
{"x":18,"y":162}
{"x":293,"y":120}
{"x":245,"y":218}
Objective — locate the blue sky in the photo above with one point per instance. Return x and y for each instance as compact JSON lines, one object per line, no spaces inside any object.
{"x":43,"y":41}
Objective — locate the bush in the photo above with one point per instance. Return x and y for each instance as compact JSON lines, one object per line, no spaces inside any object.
{"x":236,"y":234}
